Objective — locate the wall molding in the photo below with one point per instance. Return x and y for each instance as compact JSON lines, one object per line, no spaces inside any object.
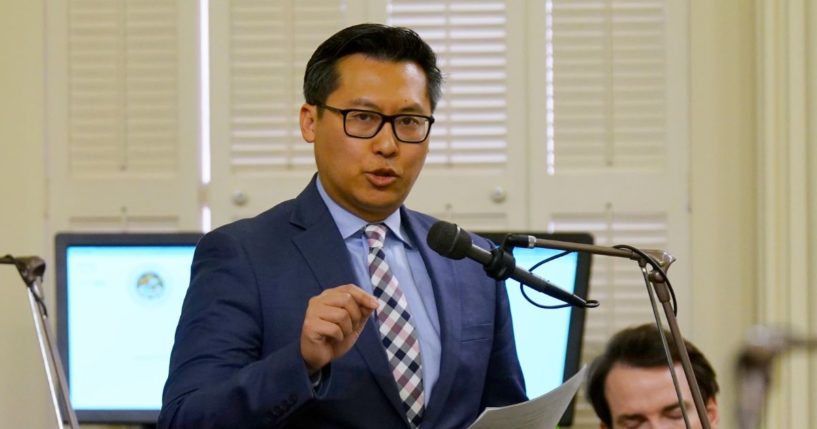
{"x":787,"y":245}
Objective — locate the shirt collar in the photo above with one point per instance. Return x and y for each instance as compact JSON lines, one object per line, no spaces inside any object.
{"x":349,"y":225}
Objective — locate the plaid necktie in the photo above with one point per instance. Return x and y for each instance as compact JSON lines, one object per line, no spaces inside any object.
{"x":396,"y":331}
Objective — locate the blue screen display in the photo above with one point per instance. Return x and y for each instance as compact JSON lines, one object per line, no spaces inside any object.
{"x":542,"y":334}
{"x":123,"y":304}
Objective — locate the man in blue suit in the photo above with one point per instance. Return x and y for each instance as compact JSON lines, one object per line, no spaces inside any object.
{"x":283,"y":324}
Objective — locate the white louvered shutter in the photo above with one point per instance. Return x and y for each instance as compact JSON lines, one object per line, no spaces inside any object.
{"x":122,"y":115}
{"x":613,"y":158}
{"x":259,"y":50}
{"x":471,"y":175}
{"x":474,"y":175}
{"x":609,"y":83}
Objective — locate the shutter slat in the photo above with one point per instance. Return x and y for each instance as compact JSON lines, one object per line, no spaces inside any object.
{"x":470,"y":40}
{"x":608,"y":56}
{"x":122,"y":87}
{"x":269,"y":46}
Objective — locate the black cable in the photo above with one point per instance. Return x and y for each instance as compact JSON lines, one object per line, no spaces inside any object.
{"x":508,"y":245}
{"x":535,"y":266}
{"x":536,"y":304}
{"x":552,"y":258}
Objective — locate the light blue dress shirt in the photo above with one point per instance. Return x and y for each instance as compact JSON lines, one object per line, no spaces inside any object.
{"x":407,"y":264}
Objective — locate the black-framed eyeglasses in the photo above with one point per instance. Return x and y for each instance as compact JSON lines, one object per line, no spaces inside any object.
{"x":365,"y":124}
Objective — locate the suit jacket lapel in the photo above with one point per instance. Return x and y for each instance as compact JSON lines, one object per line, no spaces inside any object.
{"x":320,"y":244}
{"x":447,"y":292}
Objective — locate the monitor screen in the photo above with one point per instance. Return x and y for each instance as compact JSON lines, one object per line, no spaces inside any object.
{"x":548,"y":341}
{"x":119,"y":297}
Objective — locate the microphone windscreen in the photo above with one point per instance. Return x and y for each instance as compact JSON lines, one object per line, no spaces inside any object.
{"x":448,"y":240}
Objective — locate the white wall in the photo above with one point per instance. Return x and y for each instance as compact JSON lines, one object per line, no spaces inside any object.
{"x":23,"y":390}
{"x":723,"y":181}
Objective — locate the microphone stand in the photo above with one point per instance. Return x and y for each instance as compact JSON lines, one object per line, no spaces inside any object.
{"x":659,"y":262}
{"x":31,"y":269}
{"x":754,"y":367}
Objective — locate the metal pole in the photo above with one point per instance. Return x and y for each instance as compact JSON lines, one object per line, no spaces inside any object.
{"x":43,"y":352}
{"x":660,"y":261}
{"x":31,"y":269}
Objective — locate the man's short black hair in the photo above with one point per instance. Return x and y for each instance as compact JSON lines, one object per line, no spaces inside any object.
{"x":641,"y":347}
{"x":378,"y":41}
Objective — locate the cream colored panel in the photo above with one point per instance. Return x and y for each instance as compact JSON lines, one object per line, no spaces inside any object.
{"x":785,"y":206}
{"x":608,"y":85}
{"x":258,"y":53}
{"x":123,"y":115}
{"x":270,"y":44}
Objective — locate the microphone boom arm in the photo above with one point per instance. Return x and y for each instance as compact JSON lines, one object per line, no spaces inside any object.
{"x":660,"y":261}
{"x":659,"y":257}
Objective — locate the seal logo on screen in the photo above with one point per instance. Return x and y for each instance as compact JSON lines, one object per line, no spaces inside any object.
{"x":150,"y":286}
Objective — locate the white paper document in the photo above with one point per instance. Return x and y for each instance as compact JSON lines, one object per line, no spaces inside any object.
{"x":543,"y":412}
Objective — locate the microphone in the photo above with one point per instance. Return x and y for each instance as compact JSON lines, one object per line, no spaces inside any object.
{"x":453,"y":242}
{"x":754,"y":364}
{"x":31,"y":269}
{"x":29,"y":264}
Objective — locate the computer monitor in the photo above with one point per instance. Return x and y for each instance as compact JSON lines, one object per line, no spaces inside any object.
{"x":119,"y":297}
{"x":548,"y":341}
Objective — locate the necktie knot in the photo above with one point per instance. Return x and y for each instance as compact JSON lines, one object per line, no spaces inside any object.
{"x":375,"y":235}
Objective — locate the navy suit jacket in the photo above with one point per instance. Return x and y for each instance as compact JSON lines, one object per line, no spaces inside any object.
{"x":236,"y":362}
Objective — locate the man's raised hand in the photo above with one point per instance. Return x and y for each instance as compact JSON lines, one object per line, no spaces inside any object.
{"x":333,"y":321}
